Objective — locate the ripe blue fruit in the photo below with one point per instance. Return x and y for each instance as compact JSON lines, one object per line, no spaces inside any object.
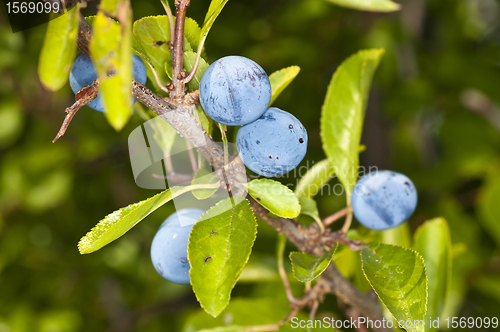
{"x":235,"y":91}
{"x":383,"y":199}
{"x":169,"y":247}
{"x":83,"y":73}
{"x":274,"y":144}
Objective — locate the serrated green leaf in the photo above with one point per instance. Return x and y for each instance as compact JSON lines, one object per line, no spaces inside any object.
{"x":219,"y":247}
{"x":111,"y":53}
{"x":399,"y":278}
{"x":343,"y":112}
{"x":214,"y":10}
{"x":489,"y":209}
{"x":153,"y":35}
{"x":121,"y":221}
{"x":315,"y":178}
{"x":204,"y":176}
{"x":432,"y":241}
{"x":59,"y":49}
{"x":369,"y":5}
{"x":189,"y":60}
{"x":307,"y":267}
{"x":192,"y":32}
{"x":281,"y":79}
{"x":275,"y":197}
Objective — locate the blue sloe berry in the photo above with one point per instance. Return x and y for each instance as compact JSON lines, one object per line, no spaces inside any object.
{"x":272,"y":145}
{"x":383,"y":199}
{"x":83,"y":73}
{"x":235,"y":91}
{"x":169,"y":247}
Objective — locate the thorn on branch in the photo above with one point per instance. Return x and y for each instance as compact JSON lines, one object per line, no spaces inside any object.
{"x":84,"y":96}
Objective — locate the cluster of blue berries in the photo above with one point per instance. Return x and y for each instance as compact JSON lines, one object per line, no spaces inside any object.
{"x":236,"y":91}
{"x":83,"y":73}
{"x":383,"y":199}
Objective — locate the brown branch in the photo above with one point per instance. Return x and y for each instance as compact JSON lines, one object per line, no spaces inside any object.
{"x":84,"y":96}
{"x":177,"y":54}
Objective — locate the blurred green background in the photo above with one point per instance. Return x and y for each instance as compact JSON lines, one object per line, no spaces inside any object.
{"x":433,"y":114}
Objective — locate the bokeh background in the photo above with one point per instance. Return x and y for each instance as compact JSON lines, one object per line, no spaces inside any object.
{"x":433,"y":114}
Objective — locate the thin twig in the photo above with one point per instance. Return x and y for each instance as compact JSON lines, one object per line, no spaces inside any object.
{"x":273,"y":327}
{"x":348,"y":219}
{"x":195,"y":65}
{"x":282,"y":271}
{"x":157,"y":79}
{"x":178,"y":51}
{"x":192,"y":158}
{"x":171,"y":25}
{"x":314,"y":309}
{"x":84,"y":96}
{"x":338,"y":237}
{"x":336,"y":216}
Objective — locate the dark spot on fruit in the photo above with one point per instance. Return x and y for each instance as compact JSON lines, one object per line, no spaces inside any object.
{"x":301,"y":140}
{"x":290,"y":126}
{"x":270,"y":156}
{"x":207,"y":259}
{"x":257,"y":142}
{"x":277,"y":157}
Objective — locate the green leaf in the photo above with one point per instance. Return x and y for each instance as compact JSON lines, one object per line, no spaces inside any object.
{"x":281,"y":79}
{"x":121,"y":221}
{"x":398,"y":236}
{"x":192,"y":32}
{"x":307,"y":267}
{"x":343,"y":112}
{"x":242,"y":312}
{"x":111,"y":52}
{"x":369,"y":5}
{"x":153,"y":35}
{"x":214,"y":10}
{"x":189,"y":59}
{"x":275,"y":197}
{"x":398,"y":277}
{"x":205,"y":121}
{"x":308,"y":206}
{"x":432,"y":241}
{"x":204,"y":176}
{"x":489,"y":209}
{"x":59,"y":50}
{"x":218,"y":250}
{"x":315,"y":178}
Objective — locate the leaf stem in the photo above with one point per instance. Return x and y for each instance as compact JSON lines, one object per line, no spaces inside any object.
{"x":170,"y":23}
{"x":336,"y":216}
{"x":157,"y":79}
{"x":281,"y":268}
{"x":192,"y":158}
{"x":348,"y":219}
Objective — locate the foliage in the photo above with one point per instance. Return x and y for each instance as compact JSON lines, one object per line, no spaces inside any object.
{"x":420,"y":120}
